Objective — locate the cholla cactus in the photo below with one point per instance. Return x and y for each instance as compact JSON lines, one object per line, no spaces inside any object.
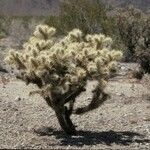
{"x":62,"y":69}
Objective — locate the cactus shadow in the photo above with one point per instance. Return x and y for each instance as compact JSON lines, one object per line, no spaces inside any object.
{"x":93,"y":137}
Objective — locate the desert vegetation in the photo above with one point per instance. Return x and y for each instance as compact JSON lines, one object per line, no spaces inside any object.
{"x":134,"y":30}
{"x":3,"y":29}
{"x":90,"y":64}
{"x":129,"y":27}
{"x":90,"y":17}
{"x":61,"y":69}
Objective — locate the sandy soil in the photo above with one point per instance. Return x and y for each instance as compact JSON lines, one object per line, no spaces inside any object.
{"x":122,"y":122}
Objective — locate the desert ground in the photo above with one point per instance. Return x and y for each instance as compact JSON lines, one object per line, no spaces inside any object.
{"x":122,"y":122}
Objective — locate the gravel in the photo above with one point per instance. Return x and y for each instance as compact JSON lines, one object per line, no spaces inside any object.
{"x":122,"y":122}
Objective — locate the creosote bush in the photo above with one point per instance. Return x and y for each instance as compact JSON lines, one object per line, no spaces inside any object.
{"x":88,"y":16}
{"x":4,"y":23}
{"x":134,"y":30}
{"x":130,"y":24}
{"x":143,"y":48}
{"x":62,"y":68}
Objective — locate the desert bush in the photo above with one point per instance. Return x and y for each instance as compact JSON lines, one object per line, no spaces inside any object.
{"x":130,"y":22}
{"x":143,"y":48}
{"x":62,"y":68}
{"x":22,"y":26}
{"x":146,"y":81}
{"x":4,"y":25}
{"x":18,"y":27}
{"x":88,"y":16}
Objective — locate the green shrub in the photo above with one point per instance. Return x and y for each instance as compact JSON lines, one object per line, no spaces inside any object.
{"x":62,"y":68}
{"x":88,"y":16}
{"x":134,"y":29}
{"x":143,"y":48}
{"x":4,"y":25}
{"x":131,"y":24}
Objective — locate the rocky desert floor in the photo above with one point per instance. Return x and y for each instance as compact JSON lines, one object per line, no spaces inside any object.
{"x":122,"y":122}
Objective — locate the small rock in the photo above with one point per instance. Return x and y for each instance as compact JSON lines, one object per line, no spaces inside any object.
{"x":21,"y":124}
{"x":15,"y":109}
{"x":68,"y":147}
{"x":3,"y":86}
{"x":123,"y":68}
{"x":4,"y":109}
{"x":147,"y":144}
{"x":118,"y":94}
{"x":17,"y":98}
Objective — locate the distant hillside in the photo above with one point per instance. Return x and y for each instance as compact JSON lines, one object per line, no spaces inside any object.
{"x":29,"y":7}
{"x":51,"y":7}
{"x":141,"y":4}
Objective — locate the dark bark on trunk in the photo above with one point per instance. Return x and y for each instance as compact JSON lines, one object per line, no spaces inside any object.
{"x":64,"y":120}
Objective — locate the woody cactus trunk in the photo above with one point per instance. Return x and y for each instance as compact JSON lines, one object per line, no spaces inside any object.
{"x":62,"y":68}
